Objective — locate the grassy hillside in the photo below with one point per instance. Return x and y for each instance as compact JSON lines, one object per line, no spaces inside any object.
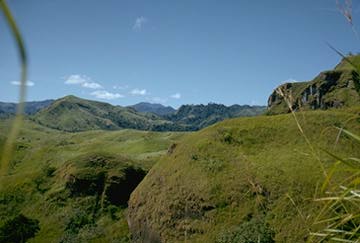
{"x":335,"y":88}
{"x":352,"y":60}
{"x":242,"y":180}
{"x":74,"y":114}
{"x":77,"y":184}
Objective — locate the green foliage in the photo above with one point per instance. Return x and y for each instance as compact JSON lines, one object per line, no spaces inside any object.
{"x":18,"y":229}
{"x":78,"y":221}
{"x":228,"y":138}
{"x":253,"y":231}
{"x":112,"y":212}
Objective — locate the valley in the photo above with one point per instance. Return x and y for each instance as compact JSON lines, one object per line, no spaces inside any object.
{"x":70,"y":182}
{"x":179,"y":121}
{"x":85,"y":178}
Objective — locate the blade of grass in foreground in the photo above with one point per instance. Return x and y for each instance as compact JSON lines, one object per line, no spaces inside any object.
{"x":341,"y":211}
{"x":9,"y":144}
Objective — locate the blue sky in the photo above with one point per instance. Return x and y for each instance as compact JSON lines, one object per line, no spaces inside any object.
{"x":171,"y":52}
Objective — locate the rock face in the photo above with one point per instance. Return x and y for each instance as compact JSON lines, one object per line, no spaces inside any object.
{"x":330,"y":89}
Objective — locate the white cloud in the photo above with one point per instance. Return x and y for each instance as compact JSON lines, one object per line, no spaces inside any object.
{"x":76,"y":79}
{"x":176,"y":96}
{"x":91,"y":85}
{"x":120,"y":86}
{"x":28,"y":83}
{"x":138,"y":92}
{"x":103,"y":94}
{"x":139,"y":22}
{"x":158,"y":100}
{"x":290,"y":80}
{"x":83,"y":81}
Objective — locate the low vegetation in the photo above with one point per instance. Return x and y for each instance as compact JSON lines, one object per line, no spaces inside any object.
{"x":74,"y":187}
{"x":247,"y":174}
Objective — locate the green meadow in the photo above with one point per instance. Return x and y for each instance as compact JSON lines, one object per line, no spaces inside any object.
{"x":38,"y":184}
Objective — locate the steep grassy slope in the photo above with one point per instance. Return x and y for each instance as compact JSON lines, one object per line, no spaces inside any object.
{"x":77,"y":184}
{"x":242,"y":180}
{"x":337,"y":88}
{"x":74,"y":114}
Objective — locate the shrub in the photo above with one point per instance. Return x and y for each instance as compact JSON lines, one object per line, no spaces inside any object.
{"x":253,"y":231}
{"x":19,"y":229}
{"x":78,"y":221}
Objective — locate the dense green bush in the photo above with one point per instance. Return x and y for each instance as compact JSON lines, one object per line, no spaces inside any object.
{"x":18,"y":229}
{"x":78,"y":221}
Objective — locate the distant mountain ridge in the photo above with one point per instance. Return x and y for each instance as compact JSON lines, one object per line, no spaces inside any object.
{"x":200,"y":116}
{"x":31,"y":107}
{"x":335,"y":88}
{"x":157,"y":109}
{"x":74,"y":114}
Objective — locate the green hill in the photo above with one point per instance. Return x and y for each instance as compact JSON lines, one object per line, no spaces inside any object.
{"x":242,"y":180}
{"x":77,"y":184}
{"x":74,"y":114}
{"x":336,"y":88}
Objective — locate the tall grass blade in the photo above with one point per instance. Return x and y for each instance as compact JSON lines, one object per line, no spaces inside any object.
{"x":9,"y":144}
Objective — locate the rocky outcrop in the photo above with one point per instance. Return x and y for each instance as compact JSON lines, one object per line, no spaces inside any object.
{"x":330,"y":89}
